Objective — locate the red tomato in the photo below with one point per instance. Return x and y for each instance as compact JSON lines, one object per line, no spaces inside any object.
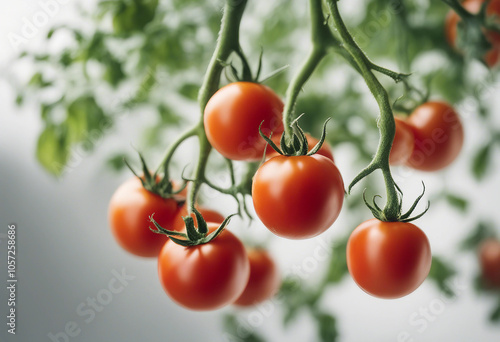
{"x":129,"y":212}
{"x":489,"y":255}
{"x":388,"y":259}
{"x":264,"y":281}
{"x":233,"y":115}
{"x":473,"y":6}
{"x":204,"y":277}
{"x":208,"y":214}
{"x":439,"y":136}
{"x":325,"y":149}
{"x":298,"y":197}
{"x":402,"y":147}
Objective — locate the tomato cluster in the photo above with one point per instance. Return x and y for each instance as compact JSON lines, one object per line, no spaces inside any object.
{"x":297,"y":193}
{"x":430,"y":139}
{"x":202,"y":277}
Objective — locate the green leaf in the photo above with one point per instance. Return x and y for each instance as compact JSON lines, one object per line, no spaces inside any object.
{"x":458,"y":202}
{"x":327,"y":327}
{"x":116,"y":162}
{"x":52,"y":149}
{"x":190,"y":90}
{"x":37,"y":80}
{"x":84,"y":119}
{"x":481,"y":162}
{"x":495,"y":314}
{"x":19,"y":99}
{"x":481,"y":232}
{"x":113,"y":74}
{"x":337,"y":268}
{"x":233,"y":332}
{"x":291,"y":289}
{"x":441,"y":273}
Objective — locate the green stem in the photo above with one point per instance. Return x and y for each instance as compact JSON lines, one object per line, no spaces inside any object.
{"x":245,"y":186}
{"x":387,"y":126}
{"x":458,"y":8}
{"x":172,"y":148}
{"x":321,"y":38}
{"x":227,"y":43}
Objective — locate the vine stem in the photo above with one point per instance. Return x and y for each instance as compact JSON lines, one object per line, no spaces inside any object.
{"x":172,"y":148}
{"x":228,"y":42}
{"x":321,"y":38}
{"x":386,"y":124}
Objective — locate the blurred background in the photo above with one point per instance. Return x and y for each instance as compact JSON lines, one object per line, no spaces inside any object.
{"x":69,"y":66}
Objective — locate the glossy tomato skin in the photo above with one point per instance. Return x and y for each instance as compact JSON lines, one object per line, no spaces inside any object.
{"x":233,"y":115}
{"x":388,"y":259}
{"x":489,"y":256}
{"x":264,"y":281}
{"x":204,"y":277}
{"x":325,"y":150}
{"x":129,"y":210}
{"x":402,"y":147}
{"x":452,"y":19}
{"x":208,"y":214}
{"x":439,"y":136}
{"x":298,"y":197}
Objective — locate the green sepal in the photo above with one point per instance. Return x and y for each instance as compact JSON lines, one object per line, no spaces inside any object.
{"x":298,"y":146}
{"x":161,"y":230}
{"x":321,"y":141}
{"x":193,"y":237}
{"x":163,"y":188}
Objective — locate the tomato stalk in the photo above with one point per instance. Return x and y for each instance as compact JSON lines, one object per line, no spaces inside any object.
{"x":387,"y":126}
{"x":321,"y":38}
{"x":227,"y":43}
{"x":171,"y":150}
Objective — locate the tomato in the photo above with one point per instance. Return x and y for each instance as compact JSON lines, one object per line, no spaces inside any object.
{"x":439,"y":136}
{"x":402,"y":146}
{"x":233,"y":115}
{"x":204,"y":277}
{"x":489,"y":256}
{"x":325,"y":149}
{"x":129,"y":210}
{"x":493,"y":9}
{"x":264,"y":280}
{"x":388,"y":259}
{"x":298,"y":197}
{"x":208,"y":214}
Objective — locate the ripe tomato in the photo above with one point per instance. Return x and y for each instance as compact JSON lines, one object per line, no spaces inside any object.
{"x":129,"y":212}
{"x":325,"y":149}
{"x":298,"y":197}
{"x":402,"y":147}
{"x":489,"y":256}
{"x":264,"y":281}
{"x":204,"y":277}
{"x":388,"y":259}
{"x":208,"y":214}
{"x":493,"y":9}
{"x":439,"y":136}
{"x":233,"y":115}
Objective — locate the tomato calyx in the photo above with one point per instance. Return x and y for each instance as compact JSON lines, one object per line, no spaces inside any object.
{"x":298,"y":146}
{"x":379,"y":213}
{"x":152,"y":182}
{"x":193,"y":236}
{"x":246,"y":74}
